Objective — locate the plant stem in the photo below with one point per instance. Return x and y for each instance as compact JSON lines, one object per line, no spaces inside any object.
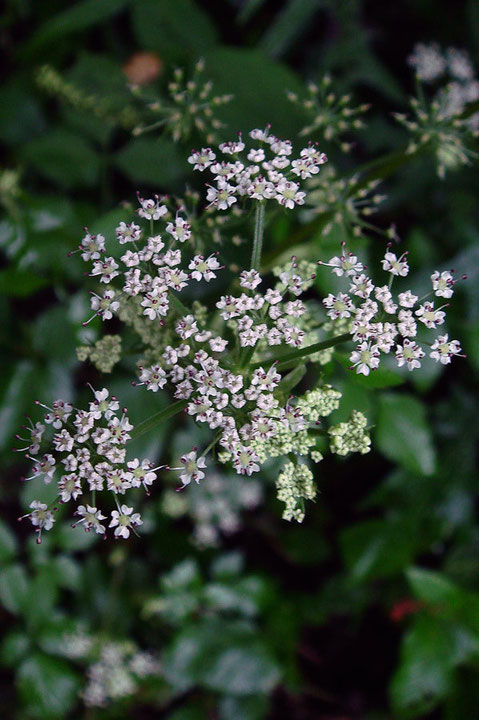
{"x":158,"y":417}
{"x":258,"y":237}
{"x":285,"y":359}
{"x":176,"y":303}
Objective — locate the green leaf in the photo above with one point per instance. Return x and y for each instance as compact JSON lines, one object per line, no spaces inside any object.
{"x":222,"y":656}
{"x":288,"y":25}
{"x":239,"y":599}
{"x":8,"y":543}
{"x":379,"y":548}
{"x":425,"y":673}
{"x":74,"y":539}
{"x":21,"y":117}
{"x":173,"y":29}
{"x":20,"y":283}
{"x":42,"y":597}
{"x":154,"y":162}
{"x":78,"y":17}
{"x":377,"y":379}
{"x":434,"y":588}
{"x":259,"y":85}
{"x":47,"y":686}
{"x":54,"y":335}
{"x":249,"y":707}
{"x":14,"y":588}
{"x":14,"y":648}
{"x":403,"y":435}
{"x":63,"y":158}
{"x":67,"y":572}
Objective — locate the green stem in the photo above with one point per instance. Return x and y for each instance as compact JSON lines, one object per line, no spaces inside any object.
{"x":176,"y":303}
{"x":258,"y":237}
{"x":158,"y":417}
{"x":285,"y":360}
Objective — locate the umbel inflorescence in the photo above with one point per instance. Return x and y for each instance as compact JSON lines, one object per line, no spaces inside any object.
{"x":233,"y":369}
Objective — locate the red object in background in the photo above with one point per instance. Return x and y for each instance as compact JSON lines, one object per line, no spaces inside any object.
{"x":405,"y":607}
{"x":143,"y":67}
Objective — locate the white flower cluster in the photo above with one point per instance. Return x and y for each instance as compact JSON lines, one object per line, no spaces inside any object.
{"x":215,"y":507}
{"x":440,"y":124}
{"x":239,"y":404}
{"x":266,"y":172}
{"x":350,"y":436}
{"x":294,"y":485}
{"x":330,"y":114}
{"x":116,"y":670}
{"x":431,"y":63}
{"x":382,"y":324}
{"x":88,"y":456}
{"x":151,"y":267}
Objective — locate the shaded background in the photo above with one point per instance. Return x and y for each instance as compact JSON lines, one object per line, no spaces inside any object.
{"x":370,"y":609}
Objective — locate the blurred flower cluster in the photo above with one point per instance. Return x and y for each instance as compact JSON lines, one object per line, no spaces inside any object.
{"x":443,"y":122}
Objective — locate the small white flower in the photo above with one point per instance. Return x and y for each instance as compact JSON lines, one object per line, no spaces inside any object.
{"x":250,"y":279}
{"x":394,"y":265}
{"x":193,"y":468}
{"x":231,"y":148}
{"x":156,"y":304}
{"x":218,"y":344}
{"x":124,"y":520}
{"x":180,"y":229}
{"x":128,"y":232}
{"x":91,"y":518}
{"x":429,"y":316}
{"x":204,"y":268}
{"x":361,"y":286}
{"x":365,"y":358}
{"x":339,"y":306}
{"x":40,"y":517}
{"x":186,"y":327}
{"x":409,"y":354}
{"x":407,"y":299}
{"x":104,"y":306}
{"x":443,"y":284}
{"x":153,"y":377}
{"x":69,"y":487}
{"x":222,"y":196}
{"x":151,"y":209}
{"x":245,"y":460}
{"x":289,"y":195}
{"x":202,"y":159}
{"x":92,"y":247}
{"x":443,"y":349}
{"x":106,"y":268}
